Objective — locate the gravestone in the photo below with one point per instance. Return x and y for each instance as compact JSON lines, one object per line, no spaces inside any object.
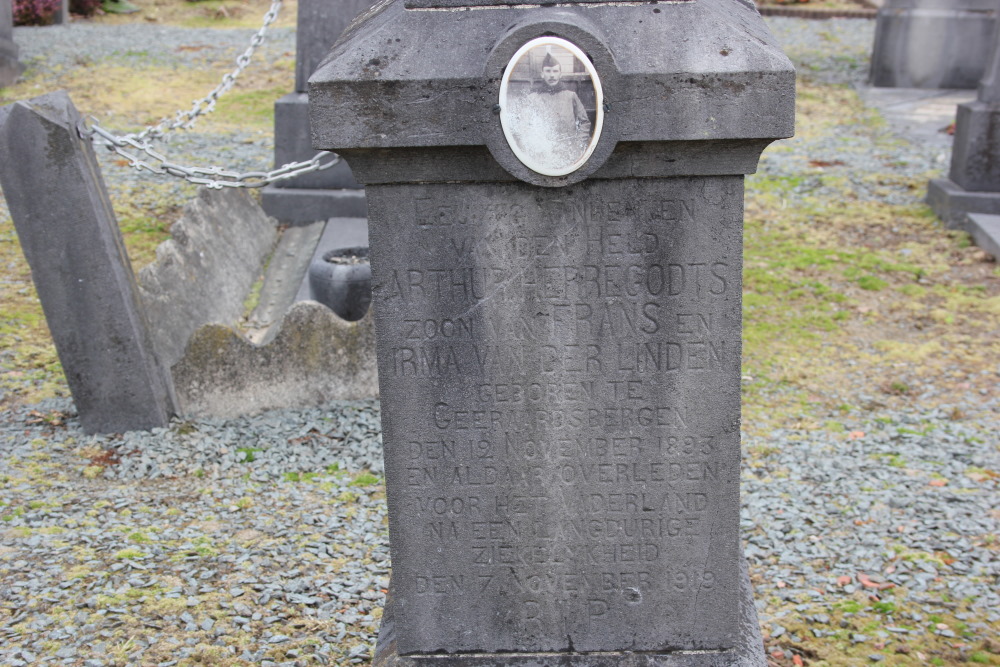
{"x":973,"y":183}
{"x":70,"y":237}
{"x":10,"y":68}
{"x":558,"y":331}
{"x":932,"y":43}
{"x":323,"y":194}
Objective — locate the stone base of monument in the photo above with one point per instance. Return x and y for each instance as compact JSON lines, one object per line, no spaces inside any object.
{"x":985,"y":231}
{"x":331,"y":193}
{"x":951,"y":202}
{"x":748,"y":651}
{"x":298,"y":206}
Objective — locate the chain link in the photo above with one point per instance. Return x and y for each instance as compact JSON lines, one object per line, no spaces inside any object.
{"x":185,"y":119}
{"x":210,"y":177}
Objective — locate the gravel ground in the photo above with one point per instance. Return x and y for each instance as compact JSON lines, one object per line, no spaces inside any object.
{"x":263,"y":539}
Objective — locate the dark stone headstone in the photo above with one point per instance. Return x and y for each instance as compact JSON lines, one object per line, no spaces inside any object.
{"x":10,"y":68}
{"x":932,"y":43}
{"x":559,"y":355}
{"x":324,"y":194}
{"x":973,"y":183}
{"x":84,"y":280}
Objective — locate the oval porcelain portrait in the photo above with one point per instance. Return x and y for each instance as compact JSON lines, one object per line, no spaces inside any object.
{"x":551,"y":106}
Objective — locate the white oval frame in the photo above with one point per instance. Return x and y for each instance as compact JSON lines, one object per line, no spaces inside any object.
{"x":505,"y":120}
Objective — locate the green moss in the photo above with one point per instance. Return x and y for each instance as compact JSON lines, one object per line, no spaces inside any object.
{"x":871,"y":283}
{"x":129,"y":553}
{"x":365,"y":479}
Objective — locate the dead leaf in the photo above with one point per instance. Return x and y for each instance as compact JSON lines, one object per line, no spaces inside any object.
{"x":867,"y":582}
{"x":938,"y":482}
{"x":826,"y":163}
{"x":797,"y":660}
{"x":855,"y":435}
{"x":843,"y":580}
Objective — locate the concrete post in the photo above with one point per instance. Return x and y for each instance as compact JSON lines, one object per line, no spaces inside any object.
{"x":10,"y":68}
{"x":84,"y":280}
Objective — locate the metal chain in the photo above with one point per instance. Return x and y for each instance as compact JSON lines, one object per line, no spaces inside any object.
{"x":211,"y":177}
{"x":185,"y":119}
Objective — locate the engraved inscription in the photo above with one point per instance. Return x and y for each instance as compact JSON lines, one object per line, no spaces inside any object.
{"x":567,"y":362}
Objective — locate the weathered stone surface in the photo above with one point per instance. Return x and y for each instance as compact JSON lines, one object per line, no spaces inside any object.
{"x":319,"y":24}
{"x":560,"y":381}
{"x":204,"y":272}
{"x":286,"y":272}
{"x":746,"y":653}
{"x":292,"y":143}
{"x":10,"y":68}
{"x":559,"y":356}
{"x":683,"y":91}
{"x":932,"y":43}
{"x":71,"y":240}
{"x":316,"y":357}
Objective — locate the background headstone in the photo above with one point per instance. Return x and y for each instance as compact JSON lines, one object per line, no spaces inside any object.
{"x":559,"y":357}
{"x":973,"y":183}
{"x":325,"y":194}
{"x":70,"y":237}
{"x":932,"y":43}
{"x":10,"y":68}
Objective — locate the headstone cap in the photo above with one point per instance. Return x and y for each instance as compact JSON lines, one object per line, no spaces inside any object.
{"x":717,"y":74}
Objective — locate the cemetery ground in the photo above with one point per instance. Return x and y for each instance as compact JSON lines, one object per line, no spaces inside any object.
{"x":871,"y":407}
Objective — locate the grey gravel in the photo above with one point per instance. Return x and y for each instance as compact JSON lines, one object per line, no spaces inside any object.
{"x":262,"y":540}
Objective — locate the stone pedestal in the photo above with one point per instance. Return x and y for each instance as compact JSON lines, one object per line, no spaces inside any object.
{"x":932,"y":43}
{"x":10,"y":68}
{"x":559,"y":353}
{"x":325,"y":194}
{"x":973,"y":183}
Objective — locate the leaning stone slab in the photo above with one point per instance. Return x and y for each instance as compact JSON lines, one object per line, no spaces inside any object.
{"x":71,"y":240}
{"x":204,"y":272}
{"x":316,"y":357}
